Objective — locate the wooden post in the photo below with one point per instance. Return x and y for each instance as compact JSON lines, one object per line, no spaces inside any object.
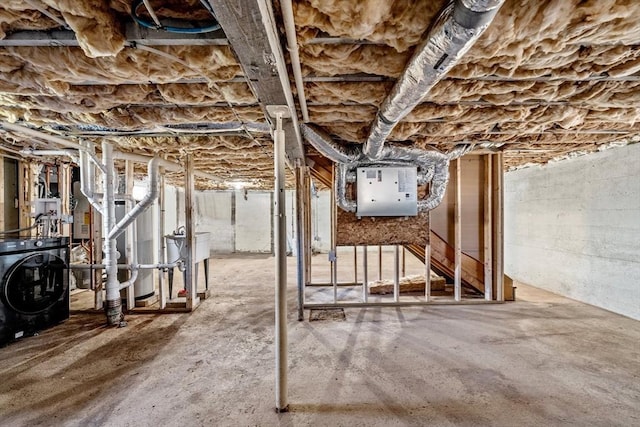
{"x":130,"y":237}
{"x":189,"y":189}
{"x":498,"y":226}
{"x":487,"y":230}
{"x":457,"y":230}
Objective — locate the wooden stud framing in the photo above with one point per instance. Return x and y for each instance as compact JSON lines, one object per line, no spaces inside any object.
{"x":457,"y":284}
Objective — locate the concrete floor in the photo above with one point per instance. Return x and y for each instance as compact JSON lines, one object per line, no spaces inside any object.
{"x":544,"y":360}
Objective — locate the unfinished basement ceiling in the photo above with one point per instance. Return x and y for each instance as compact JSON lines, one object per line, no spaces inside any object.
{"x":547,"y":79}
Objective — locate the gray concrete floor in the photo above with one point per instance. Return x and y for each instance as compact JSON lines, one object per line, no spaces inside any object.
{"x":544,"y":360}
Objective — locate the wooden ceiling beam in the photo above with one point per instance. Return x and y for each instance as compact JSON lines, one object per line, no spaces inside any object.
{"x":253,"y":35}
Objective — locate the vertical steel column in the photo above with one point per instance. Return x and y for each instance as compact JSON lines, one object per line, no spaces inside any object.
{"x":396,"y":274}
{"x":281,"y":258}
{"x":365,"y":274}
{"x":300,"y":244}
{"x":487,"y":229}
{"x":457,"y":231}
{"x":333,"y":255}
{"x":190,"y":238}
{"x":308,"y":220}
{"x":404,"y":263}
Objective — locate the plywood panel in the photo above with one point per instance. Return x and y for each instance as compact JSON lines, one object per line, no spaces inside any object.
{"x":382,"y":230}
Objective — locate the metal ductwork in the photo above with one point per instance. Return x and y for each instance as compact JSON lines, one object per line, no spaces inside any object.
{"x":433,"y":166}
{"x":454,"y":31}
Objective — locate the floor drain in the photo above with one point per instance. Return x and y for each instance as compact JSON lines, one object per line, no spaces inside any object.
{"x":336,"y":314}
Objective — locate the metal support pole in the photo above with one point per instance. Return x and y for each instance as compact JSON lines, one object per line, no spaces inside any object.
{"x":281,"y":258}
{"x":396,"y":274}
{"x":427,"y":272}
{"x":300,"y":244}
{"x":333,"y":255}
{"x":365,"y":278}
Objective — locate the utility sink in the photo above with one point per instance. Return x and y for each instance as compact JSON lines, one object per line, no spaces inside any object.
{"x":176,"y":247}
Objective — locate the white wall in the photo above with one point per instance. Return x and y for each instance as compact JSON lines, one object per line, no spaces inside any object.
{"x":213,"y":213}
{"x":574,"y":228}
{"x":321,"y":221}
{"x":253,"y":222}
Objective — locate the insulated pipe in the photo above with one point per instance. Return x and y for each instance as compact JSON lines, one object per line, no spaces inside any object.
{"x":322,"y":142}
{"x":454,"y":31}
{"x":149,"y":198}
{"x":292,"y":47}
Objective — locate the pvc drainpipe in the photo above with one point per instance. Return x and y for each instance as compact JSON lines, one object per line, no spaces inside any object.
{"x":132,"y":237}
{"x":167,"y":164}
{"x":31,"y":152}
{"x":113,"y":303}
{"x":87,"y":181}
{"x":292,"y":47}
{"x":149,"y":198}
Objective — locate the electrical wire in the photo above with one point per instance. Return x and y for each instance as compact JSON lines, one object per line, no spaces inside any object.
{"x":157,"y":25}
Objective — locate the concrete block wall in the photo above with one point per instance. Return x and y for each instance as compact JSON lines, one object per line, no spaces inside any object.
{"x":573,"y":228}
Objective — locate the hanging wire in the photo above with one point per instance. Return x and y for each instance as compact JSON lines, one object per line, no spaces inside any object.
{"x":155,"y":23}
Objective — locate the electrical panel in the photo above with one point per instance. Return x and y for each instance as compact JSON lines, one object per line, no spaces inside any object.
{"x":387,"y":191}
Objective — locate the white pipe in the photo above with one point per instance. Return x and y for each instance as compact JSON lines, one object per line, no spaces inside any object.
{"x":292,"y":47}
{"x":127,"y":266}
{"x":37,"y":134}
{"x":31,"y":152}
{"x":149,"y":198}
{"x":87,"y":181}
{"x":117,"y":154}
{"x":114,"y":305}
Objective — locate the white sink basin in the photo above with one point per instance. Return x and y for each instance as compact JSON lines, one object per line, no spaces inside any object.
{"x":176,"y":247}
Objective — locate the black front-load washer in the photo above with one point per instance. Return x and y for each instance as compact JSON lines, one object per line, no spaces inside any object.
{"x":34,"y":287}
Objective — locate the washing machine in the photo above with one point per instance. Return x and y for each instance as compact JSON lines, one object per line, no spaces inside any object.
{"x":34,"y":287}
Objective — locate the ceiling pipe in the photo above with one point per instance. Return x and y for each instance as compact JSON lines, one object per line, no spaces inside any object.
{"x":169,"y":165}
{"x":292,"y":47}
{"x":454,"y":31}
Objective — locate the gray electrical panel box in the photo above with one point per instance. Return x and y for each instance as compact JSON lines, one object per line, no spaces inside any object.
{"x":387,"y":191}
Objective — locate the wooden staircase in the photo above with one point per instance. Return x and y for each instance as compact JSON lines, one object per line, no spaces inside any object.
{"x":442,"y":262}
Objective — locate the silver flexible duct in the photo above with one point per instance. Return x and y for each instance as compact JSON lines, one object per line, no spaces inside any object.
{"x":455,"y":30}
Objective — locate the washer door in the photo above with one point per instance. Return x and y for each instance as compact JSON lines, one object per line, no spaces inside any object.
{"x":34,"y":283}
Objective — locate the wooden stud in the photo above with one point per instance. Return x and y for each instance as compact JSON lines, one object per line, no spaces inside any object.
{"x":457,"y":230}
{"x":487,"y":230}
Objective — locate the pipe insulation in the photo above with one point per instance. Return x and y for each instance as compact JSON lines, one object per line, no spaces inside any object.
{"x":452,"y":34}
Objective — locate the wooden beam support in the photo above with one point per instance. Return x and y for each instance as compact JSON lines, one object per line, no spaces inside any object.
{"x":457,"y":231}
{"x":252,"y":32}
{"x":487,"y":216}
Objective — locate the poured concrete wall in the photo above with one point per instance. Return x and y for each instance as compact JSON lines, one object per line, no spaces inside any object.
{"x":574,"y":228}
